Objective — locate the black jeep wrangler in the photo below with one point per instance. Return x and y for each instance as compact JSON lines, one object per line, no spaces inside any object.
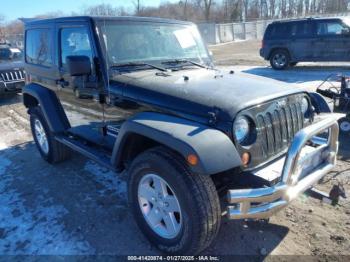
{"x":142,"y":94}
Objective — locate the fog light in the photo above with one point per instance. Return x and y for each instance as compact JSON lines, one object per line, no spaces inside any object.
{"x":245,"y":158}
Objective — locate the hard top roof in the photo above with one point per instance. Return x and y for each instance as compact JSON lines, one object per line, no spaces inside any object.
{"x":308,"y":19}
{"x":104,"y":18}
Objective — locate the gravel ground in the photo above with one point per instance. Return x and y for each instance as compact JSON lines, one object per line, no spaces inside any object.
{"x":79,"y":208}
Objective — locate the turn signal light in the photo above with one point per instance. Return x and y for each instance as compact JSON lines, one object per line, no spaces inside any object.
{"x":192,"y":159}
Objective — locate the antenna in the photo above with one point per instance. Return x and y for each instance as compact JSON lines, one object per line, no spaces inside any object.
{"x":104,"y":100}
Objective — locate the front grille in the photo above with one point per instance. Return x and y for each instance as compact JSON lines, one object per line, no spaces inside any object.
{"x":12,"y":76}
{"x":276,"y":124}
{"x":277,"y":129}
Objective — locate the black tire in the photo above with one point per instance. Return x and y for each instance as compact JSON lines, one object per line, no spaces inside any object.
{"x":279,"y":59}
{"x":57,"y":152}
{"x":197,"y":198}
{"x":292,"y":64}
{"x":344,"y":125}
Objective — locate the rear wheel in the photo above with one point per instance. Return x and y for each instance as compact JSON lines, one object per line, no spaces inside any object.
{"x":178,"y":211}
{"x":50,"y":149}
{"x":279,"y":59}
{"x":344,"y":125}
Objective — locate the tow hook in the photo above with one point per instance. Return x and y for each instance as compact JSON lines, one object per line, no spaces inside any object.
{"x":332,"y":198}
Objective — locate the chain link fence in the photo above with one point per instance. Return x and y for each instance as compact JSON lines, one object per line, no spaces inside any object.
{"x":222,"y":33}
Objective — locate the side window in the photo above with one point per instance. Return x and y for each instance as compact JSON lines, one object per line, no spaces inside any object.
{"x":74,"y":42}
{"x":38,"y":47}
{"x":330,"y":28}
{"x":302,"y":29}
{"x":278,"y":31}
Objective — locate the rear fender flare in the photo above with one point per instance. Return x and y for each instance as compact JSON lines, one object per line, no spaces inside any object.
{"x":49,"y":104}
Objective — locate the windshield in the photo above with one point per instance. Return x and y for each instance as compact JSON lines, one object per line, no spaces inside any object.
{"x":156,"y":42}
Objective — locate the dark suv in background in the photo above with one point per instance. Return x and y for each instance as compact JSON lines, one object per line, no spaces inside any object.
{"x":12,"y":73}
{"x":286,"y":43}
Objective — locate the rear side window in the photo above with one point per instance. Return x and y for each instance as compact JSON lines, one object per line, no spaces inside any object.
{"x":330,"y":28}
{"x":38,"y":47}
{"x":278,"y":31}
{"x":75,"y":42}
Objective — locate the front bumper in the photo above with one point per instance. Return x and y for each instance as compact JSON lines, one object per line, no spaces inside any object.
{"x":303,"y":167}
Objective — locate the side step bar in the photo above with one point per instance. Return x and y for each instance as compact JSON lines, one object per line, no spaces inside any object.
{"x":87,"y":151}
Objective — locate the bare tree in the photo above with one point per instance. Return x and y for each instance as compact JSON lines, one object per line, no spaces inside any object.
{"x":138,"y":6}
{"x":101,"y":10}
{"x":2,"y":28}
{"x":207,"y":7}
{"x":184,"y":3}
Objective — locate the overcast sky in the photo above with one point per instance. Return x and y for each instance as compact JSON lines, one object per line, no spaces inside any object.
{"x":13,"y":9}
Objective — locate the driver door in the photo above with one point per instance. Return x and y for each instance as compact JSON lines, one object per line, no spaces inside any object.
{"x":78,"y":94}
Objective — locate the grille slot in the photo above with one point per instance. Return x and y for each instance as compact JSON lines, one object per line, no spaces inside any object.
{"x":12,"y":76}
{"x":278,"y":127}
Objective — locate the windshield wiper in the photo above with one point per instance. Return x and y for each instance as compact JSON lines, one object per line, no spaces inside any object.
{"x":135,"y":64}
{"x":183,"y":61}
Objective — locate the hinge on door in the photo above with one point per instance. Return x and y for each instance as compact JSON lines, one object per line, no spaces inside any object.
{"x":212,"y":118}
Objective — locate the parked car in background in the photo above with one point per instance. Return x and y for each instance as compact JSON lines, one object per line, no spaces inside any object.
{"x":12,"y":74}
{"x":286,"y":43}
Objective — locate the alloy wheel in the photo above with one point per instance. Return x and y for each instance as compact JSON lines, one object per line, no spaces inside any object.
{"x":159,"y":206}
{"x":41,"y":136}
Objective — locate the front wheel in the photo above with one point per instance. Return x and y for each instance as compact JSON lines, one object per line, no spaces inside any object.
{"x":279,"y":59}
{"x":178,"y":211}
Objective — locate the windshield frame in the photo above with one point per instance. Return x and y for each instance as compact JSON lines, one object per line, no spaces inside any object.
{"x":205,"y":60}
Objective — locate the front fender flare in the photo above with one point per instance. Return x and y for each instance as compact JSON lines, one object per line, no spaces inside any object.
{"x":319,"y":103}
{"x":214,"y":149}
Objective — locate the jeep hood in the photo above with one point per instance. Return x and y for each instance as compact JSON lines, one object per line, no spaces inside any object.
{"x":200,"y":91}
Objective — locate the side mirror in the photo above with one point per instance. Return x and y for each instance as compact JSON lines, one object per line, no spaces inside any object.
{"x":78,"y":65}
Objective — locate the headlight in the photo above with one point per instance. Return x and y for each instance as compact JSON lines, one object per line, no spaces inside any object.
{"x":304,"y":105}
{"x":241,"y":128}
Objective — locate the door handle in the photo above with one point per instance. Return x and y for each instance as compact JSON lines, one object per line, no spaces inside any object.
{"x":63,"y":83}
